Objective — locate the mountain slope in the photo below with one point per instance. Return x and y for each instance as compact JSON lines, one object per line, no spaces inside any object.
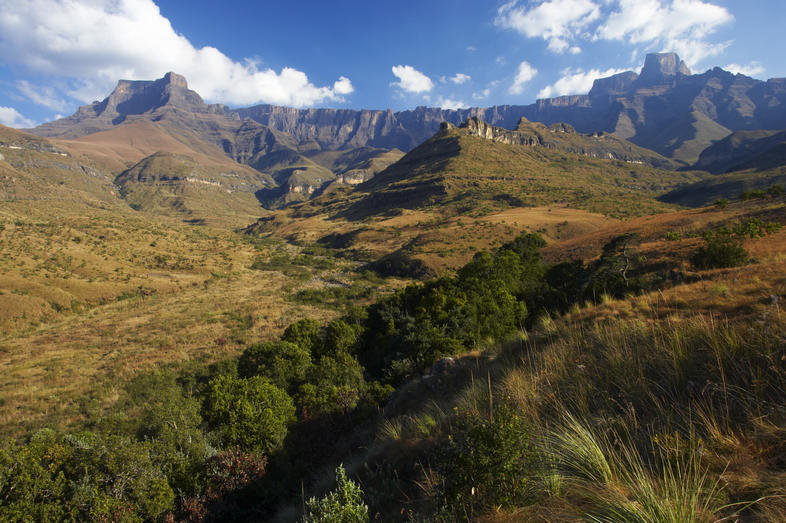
{"x":33,"y":168}
{"x":743,"y":150}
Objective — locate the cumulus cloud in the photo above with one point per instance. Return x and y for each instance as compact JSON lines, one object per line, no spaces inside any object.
{"x":677,"y":25}
{"x":752,"y":69}
{"x":524,"y":74}
{"x":460,"y":78}
{"x":411,"y":80}
{"x":556,"y":21}
{"x":683,"y":26}
{"x":96,"y":42}
{"x":447,"y":103}
{"x":575,"y":82}
{"x":11,"y":117}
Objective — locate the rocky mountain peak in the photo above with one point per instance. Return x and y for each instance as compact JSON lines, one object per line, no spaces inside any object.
{"x":662,"y":66}
{"x":175,"y":80}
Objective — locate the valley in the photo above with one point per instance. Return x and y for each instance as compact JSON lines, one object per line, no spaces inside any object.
{"x":564,"y":311}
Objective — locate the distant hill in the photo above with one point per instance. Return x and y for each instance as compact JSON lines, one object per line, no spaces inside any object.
{"x":667,"y":115}
{"x":466,"y":167}
{"x":745,"y":150}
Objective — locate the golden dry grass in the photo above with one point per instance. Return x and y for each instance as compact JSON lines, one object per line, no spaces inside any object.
{"x":442,"y":242}
{"x":89,"y":297}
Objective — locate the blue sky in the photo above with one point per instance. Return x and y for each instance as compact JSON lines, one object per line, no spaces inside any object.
{"x":56,"y":55}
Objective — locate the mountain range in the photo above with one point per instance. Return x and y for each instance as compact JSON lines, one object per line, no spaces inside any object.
{"x":168,"y":151}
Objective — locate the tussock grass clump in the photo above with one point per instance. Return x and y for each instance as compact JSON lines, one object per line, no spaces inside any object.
{"x":679,"y":419}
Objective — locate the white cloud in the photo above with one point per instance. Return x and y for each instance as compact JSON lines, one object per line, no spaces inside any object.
{"x":460,"y":78}
{"x":447,"y":103}
{"x":682,"y":26}
{"x":575,"y":82}
{"x":482,"y":94}
{"x":11,"y":117}
{"x":411,"y":80}
{"x":556,"y":21}
{"x":343,"y":86}
{"x":96,"y":42}
{"x":471,"y":48}
{"x":45,"y":96}
{"x":524,"y":74}
{"x":752,"y":69}
{"x":675,"y":25}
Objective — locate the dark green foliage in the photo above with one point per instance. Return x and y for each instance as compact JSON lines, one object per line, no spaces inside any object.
{"x":752,"y":194}
{"x":230,"y":478}
{"x":721,"y":203}
{"x":305,"y":333}
{"x":340,"y":337}
{"x":673,"y":236}
{"x":402,"y":265}
{"x":342,"y":505}
{"x":486,"y":301}
{"x":81,"y":477}
{"x":722,"y":249}
{"x":334,"y":385}
{"x":284,"y":363}
{"x":615,"y":274}
{"x":252,"y":414}
{"x":486,"y":464}
{"x":612,"y":273}
{"x":171,"y":422}
{"x":754,"y":228}
{"x":775,"y":190}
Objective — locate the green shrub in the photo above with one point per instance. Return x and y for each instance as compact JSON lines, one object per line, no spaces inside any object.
{"x":283,"y":363}
{"x":334,"y":385}
{"x":721,"y":203}
{"x":342,"y":505}
{"x":752,"y":194}
{"x":721,"y":250}
{"x":252,"y":414}
{"x":487,"y":465}
{"x":306,"y":333}
{"x":673,"y":236}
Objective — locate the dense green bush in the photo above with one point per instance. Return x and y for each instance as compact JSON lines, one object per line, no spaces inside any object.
{"x":283,"y":363}
{"x":722,"y":249}
{"x":342,"y":505}
{"x":81,"y":477}
{"x":334,"y":385}
{"x":306,"y":333}
{"x":252,"y":414}
{"x":486,"y":465}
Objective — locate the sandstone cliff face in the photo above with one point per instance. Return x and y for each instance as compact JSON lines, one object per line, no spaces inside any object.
{"x":129,"y":98}
{"x":563,"y":137}
{"x":664,"y":108}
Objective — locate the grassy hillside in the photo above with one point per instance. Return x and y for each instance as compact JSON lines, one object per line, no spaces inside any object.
{"x":726,"y":186}
{"x":461,"y":173}
{"x":89,"y":297}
